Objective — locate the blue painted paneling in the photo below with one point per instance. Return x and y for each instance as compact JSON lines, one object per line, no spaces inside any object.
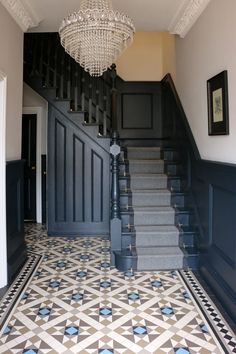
{"x":78,"y":180}
{"x":213,"y":191}
{"x":16,"y":247}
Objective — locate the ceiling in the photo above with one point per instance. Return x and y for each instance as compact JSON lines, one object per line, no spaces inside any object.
{"x":175,"y":16}
{"x":148,"y":15}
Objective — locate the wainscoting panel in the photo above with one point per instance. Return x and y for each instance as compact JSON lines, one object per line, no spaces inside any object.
{"x":78,"y":180}
{"x":214,"y":192}
{"x":60,"y":171}
{"x":16,"y":248}
{"x":139,"y":110}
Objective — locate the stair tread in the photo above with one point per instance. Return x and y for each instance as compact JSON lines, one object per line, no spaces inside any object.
{"x":144,"y":209}
{"x":148,"y":175}
{"x":147,"y":191}
{"x":145,"y":148}
{"x":155,"y":228}
{"x":160,"y":251}
{"x":145,"y":161}
{"x":143,"y":175}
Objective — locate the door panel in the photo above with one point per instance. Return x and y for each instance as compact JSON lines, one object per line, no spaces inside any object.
{"x":78,"y":180}
{"x":29,"y":126}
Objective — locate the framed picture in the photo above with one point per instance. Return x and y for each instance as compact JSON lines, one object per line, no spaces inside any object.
{"x":217,"y":97}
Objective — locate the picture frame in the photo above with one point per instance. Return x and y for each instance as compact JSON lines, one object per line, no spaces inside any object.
{"x":217,"y":99}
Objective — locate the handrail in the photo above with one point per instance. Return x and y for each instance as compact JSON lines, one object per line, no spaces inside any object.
{"x":168,"y":82}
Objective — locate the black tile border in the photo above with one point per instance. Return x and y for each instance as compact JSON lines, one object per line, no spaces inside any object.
{"x":7,"y":303}
{"x":214,"y":318}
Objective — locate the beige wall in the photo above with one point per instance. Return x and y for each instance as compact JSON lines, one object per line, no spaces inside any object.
{"x":169,"y":55}
{"x":33,"y":99}
{"x":208,"y":49}
{"x":149,"y":58}
{"x":11,"y":64}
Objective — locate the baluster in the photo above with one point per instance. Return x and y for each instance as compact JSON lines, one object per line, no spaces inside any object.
{"x":55,"y":65}
{"x":97,"y":101}
{"x":76,"y":87}
{"x":83,"y":91}
{"x":104,"y":110}
{"x":90,"y":93}
{"x":35,"y":58}
{"x":62,"y":74}
{"x":41,"y":56}
{"x":68,"y":91}
{"x":47,"y":81}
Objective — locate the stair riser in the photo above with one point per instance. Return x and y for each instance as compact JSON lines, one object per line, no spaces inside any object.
{"x":124,"y":184}
{"x":173,"y":169}
{"x":160,"y":262}
{"x":176,"y":185}
{"x":143,"y":183}
{"x":171,"y":155}
{"x":155,"y":240}
{"x":187,"y":239}
{"x":125,"y":263}
{"x":191,"y":261}
{"x":125,"y":200}
{"x":150,"y":154}
{"x":146,"y":168}
{"x":154,"y":218}
{"x":127,"y":240}
{"x":178,"y":200}
{"x":127,"y":219}
{"x":148,"y":183}
{"x":183,"y":218}
{"x":145,"y":200}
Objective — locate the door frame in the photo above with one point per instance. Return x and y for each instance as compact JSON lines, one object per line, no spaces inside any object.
{"x":3,"y":231}
{"x":38,"y":111}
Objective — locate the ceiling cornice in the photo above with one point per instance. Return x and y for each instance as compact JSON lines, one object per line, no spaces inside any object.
{"x":22,"y":13}
{"x":187,"y":16}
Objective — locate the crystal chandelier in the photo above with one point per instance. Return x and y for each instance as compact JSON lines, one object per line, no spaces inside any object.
{"x":96,"y":35}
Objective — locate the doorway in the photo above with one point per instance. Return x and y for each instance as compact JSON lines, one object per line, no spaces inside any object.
{"x":32,"y":146}
{"x":28,"y":153}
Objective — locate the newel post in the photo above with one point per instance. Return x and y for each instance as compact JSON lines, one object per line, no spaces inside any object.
{"x":115,"y":219}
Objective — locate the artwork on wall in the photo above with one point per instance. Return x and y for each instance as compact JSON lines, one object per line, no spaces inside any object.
{"x":217,"y":95}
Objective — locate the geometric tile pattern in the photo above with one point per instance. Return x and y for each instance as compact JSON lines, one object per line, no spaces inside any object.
{"x":212,"y":314}
{"x":10,"y":298}
{"x":76,"y":303}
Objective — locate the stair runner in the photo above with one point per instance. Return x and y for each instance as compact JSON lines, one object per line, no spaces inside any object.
{"x":157,"y":237}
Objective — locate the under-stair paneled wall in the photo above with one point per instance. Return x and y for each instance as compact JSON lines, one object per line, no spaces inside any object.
{"x":78,"y":180}
{"x":213,"y":199}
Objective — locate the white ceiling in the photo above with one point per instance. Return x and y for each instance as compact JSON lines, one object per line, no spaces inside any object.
{"x":148,"y":15}
{"x":175,"y":16}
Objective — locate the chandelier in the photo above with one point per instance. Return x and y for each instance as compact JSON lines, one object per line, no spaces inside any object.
{"x":96,"y":35}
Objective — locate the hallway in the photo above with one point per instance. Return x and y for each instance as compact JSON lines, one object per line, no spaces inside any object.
{"x":74,"y":302}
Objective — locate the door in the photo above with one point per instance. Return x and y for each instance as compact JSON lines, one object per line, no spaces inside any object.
{"x":29,"y":126}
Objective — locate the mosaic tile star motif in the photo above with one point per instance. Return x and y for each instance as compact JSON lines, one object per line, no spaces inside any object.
{"x":76,"y":303}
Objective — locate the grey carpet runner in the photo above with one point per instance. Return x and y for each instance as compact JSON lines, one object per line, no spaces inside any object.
{"x":157,"y":237}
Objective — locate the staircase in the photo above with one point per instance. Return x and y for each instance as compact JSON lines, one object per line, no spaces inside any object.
{"x":151,"y":224}
{"x":146,"y":206}
{"x":156,"y":231}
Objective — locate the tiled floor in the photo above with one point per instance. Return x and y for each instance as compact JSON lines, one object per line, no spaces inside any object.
{"x":75,"y":303}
